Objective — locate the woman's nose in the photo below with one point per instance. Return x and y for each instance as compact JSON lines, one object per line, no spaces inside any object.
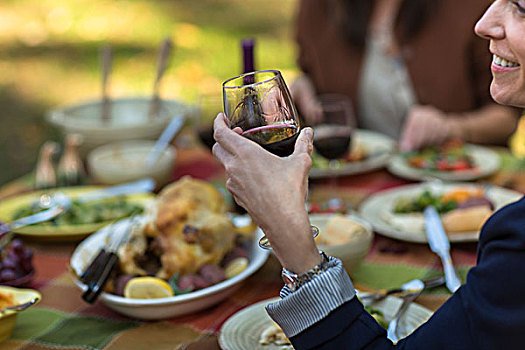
{"x":490,"y":25}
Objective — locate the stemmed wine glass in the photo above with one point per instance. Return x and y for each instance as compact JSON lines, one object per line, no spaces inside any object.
{"x":333,"y":133}
{"x":260,"y":104}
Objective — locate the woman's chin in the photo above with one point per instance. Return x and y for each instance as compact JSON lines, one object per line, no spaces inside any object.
{"x":504,"y":94}
{"x":499,"y":95}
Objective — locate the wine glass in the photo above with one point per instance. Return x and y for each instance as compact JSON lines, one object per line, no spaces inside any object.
{"x":260,"y":104}
{"x":333,"y":133}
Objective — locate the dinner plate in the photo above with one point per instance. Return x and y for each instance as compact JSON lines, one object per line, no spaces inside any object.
{"x":43,"y":232}
{"x":243,"y":330}
{"x":162,"y":308}
{"x":377,"y":147}
{"x":377,"y":209}
{"x":485,"y":160}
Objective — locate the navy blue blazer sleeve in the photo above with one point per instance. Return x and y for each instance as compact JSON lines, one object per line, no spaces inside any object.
{"x":488,"y":312}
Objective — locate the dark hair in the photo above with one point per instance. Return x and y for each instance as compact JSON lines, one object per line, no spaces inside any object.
{"x":353,"y":17}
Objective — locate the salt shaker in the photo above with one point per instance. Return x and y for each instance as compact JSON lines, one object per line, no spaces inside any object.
{"x":45,"y":176}
{"x":70,"y":167}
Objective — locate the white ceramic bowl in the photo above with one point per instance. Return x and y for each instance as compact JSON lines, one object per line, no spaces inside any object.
{"x":129,"y":120}
{"x":121,"y":162}
{"x":157,"y":309}
{"x":352,"y":252}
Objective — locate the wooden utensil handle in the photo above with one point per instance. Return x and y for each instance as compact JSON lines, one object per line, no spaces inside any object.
{"x":98,"y":282}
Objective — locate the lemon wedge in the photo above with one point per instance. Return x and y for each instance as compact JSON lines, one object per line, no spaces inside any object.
{"x":147,"y":288}
{"x":235,"y":267}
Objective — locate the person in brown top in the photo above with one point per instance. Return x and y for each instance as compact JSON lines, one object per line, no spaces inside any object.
{"x":413,"y":69}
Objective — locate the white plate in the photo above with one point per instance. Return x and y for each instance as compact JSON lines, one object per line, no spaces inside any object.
{"x":378,"y":149}
{"x":162,"y":308}
{"x":243,"y":330}
{"x":485,"y":160}
{"x":378,"y":207}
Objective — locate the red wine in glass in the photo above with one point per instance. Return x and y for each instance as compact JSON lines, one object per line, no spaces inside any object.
{"x":278,"y":139}
{"x":332,"y":141}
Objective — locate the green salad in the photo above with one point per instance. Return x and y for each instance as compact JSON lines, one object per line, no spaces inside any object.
{"x":417,"y":204}
{"x":87,"y":213}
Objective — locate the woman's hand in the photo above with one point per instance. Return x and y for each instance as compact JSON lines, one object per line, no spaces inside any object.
{"x":425,"y":125}
{"x":305,"y":98}
{"x":273,"y":191}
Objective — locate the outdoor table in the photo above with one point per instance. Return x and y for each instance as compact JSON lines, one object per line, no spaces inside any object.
{"x":63,"y":320}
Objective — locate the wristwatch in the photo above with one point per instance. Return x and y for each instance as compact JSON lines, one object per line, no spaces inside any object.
{"x":294,"y":281}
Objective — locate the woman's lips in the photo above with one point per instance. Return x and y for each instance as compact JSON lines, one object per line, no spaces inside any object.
{"x":500,"y":64}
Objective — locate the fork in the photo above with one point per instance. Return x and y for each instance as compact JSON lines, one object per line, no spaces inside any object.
{"x":392,"y":326}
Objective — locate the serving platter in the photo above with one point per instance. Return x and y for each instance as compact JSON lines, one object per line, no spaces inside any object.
{"x":47,"y":232}
{"x":162,"y":308}
{"x":485,"y":161}
{"x":377,"y":147}
{"x":243,"y":330}
{"x":378,"y":210}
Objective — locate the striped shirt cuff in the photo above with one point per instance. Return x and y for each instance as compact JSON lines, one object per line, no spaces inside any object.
{"x":313,"y":301}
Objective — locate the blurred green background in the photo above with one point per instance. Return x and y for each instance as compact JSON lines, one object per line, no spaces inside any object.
{"x":49,"y":56}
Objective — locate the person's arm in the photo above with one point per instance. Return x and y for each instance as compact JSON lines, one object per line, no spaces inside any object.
{"x":273,"y":191}
{"x":426,"y":125}
{"x":488,"y":312}
{"x":489,"y":124}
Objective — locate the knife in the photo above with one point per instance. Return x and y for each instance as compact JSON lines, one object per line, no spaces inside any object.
{"x":438,"y":241}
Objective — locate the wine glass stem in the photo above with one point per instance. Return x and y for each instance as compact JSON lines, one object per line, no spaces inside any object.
{"x":332,"y":164}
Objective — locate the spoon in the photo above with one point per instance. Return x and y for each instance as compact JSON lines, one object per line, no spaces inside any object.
{"x":164,"y":52}
{"x":105,"y":65}
{"x":164,"y":140}
{"x":19,"y":307}
{"x":61,"y":203}
{"x":144,"y":185}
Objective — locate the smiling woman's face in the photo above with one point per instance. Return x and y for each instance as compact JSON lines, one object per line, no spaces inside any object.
{"x":504,"y":25}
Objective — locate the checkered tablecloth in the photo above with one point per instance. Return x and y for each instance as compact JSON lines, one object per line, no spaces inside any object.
{"x":63,"y":321}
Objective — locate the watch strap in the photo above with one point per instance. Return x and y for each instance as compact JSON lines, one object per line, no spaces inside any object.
{"x":294,"y":281}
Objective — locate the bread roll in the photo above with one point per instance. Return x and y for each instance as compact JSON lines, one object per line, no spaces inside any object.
{"x":465,"y":220}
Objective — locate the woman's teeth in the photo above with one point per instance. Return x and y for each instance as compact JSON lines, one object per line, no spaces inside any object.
{"x":503,"y":62}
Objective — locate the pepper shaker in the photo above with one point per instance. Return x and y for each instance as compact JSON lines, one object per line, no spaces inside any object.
{"x":70,"y":167}
{"x":45,"y":176}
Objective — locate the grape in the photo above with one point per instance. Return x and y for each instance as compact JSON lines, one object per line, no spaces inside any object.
{"x":7,"y":275}
{"x":17,"y":246}
{"x":10,"y":262}
{"x":26,"y":264}
{"x":27,"y":254}
{"x":17,"y":262}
